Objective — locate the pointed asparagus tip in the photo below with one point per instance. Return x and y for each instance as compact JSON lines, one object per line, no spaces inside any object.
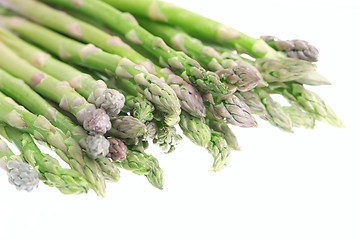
{"x":112,"y":101}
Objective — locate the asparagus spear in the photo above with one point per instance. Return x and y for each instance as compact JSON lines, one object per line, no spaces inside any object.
{"x":143,"y":164}
{"x":253,"y":100}
{"x":275,"y":113}
{"x":127,"y":127}
{"x":20,"y":173}
{"x":96,"y":146}
{"x":66,"y":147}
{"x":222,"y":127}
{"x":95,"y":92}
{"x":96,"y":121}
{"x":188,"y":96}
{"x":120,"y":22}
{"x":296,"y":48}
{"x":155,"y":90}
{"x":139,"y":107}
{"x":232,"y":109}
{"x":220,"y":151}
{"x":300,"y":118}
{"x":66,"y":180}
{"x":195,"y":129}
{"x":166,"y":137}
{"x":213,"y":31}
{"x":243,"y":76}
{"x":309,"y":101}
{"x":118,"y":150}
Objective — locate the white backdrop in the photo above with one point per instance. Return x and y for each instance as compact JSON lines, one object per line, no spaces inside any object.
{"x":281,"y":186}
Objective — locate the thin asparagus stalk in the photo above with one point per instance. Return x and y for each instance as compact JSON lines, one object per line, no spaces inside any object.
{"x":96,"y":146}
{"x":296,"y":48}
{"x":243,"y":76}
{"x":66,"y":147}
{"x":122,"y":23}
{"x":222,"y":127}
{"x":139,"y":107}
{"x":155,"y":90}
{"x":143,"y":164}
{"x":96,"y":121}
{"x":275,"y":113}
{"x":20,"y":173}
{"x":309,"y":101}
{"x":95,"y":92}
{"x":213,"y":31}
{"x":66,"y":180}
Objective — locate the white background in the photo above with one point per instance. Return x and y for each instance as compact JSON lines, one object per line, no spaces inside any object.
{"x":281,"y":186}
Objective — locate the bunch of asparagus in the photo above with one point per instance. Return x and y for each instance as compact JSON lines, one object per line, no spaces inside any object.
{"x":98,"y":80}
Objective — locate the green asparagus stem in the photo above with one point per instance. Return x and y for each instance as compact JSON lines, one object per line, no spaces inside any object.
{"x":67,"y":181}
{"x":155,"y":90}
{"x":300,"y":118}
{"x":296,"y":48}
{"x":20,"y":173}
{"x":96,"y":121}
{"x":95,"y":92}
{"x":244,"y":76}
{"x":220,"y":151}
{"x":66,"y":147}
{"x":122,"y":23}
{"x":232,"y":109}
{"x":190,"y":99}
{"x":20,"y":92}
{"x":143,"y":164}
{"x":127,"y":127}
{"x":253,"y":100}
{"x":195,"y":129}
{"x":213,"y":31}
{"x":276,"y":115}
{"x":229,"y":136}
{"x":309,"y":101}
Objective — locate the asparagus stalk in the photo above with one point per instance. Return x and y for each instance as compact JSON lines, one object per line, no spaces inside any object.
{"x":96,"y":121}
{"x":275,"y":113}
{"x":300,"y":118}
{"x":155,"y":90}
{"x":95,"y":92}
{"x":220,"y":151}
{"x":127,"y":127}
{"x":166,"y":137}
{"x":188,"y":96}
{"x":20,"y":173}
{"x":253,"y":100}
{"x":66,"y":180}
{"x":223,"y":128}
{"x":96,"y":146}
{"x":66,"y":147}
{"x":243,"y":76}
{"x":143,"y":164}
{"x":139,"y":107}
{"x":213,"y":31}
{"x":298,"y":95}
{"x":232,"y":109}
{"x":118,"y":150}
{"x":296,"y":48}
{"x":195,"y":129}
{"x":122,"y":23}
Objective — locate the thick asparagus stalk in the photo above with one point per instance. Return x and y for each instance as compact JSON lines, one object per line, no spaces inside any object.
{"x":244,"y":76}
{"x":122,"y":23}
{"x":155,"y":90}
{"x":20,"y":173}
{"x":66,"y":147}
{"x":96,"y":121}
{"x":127,"y":127}
{"x":95,"y":92}
{"x":253,"y":100}
{"x":96,"y":146}
{"x":213,"y":31}
{"x":300,"y":118}
{"x":67,"y":181}
{"x":296,"y":48}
